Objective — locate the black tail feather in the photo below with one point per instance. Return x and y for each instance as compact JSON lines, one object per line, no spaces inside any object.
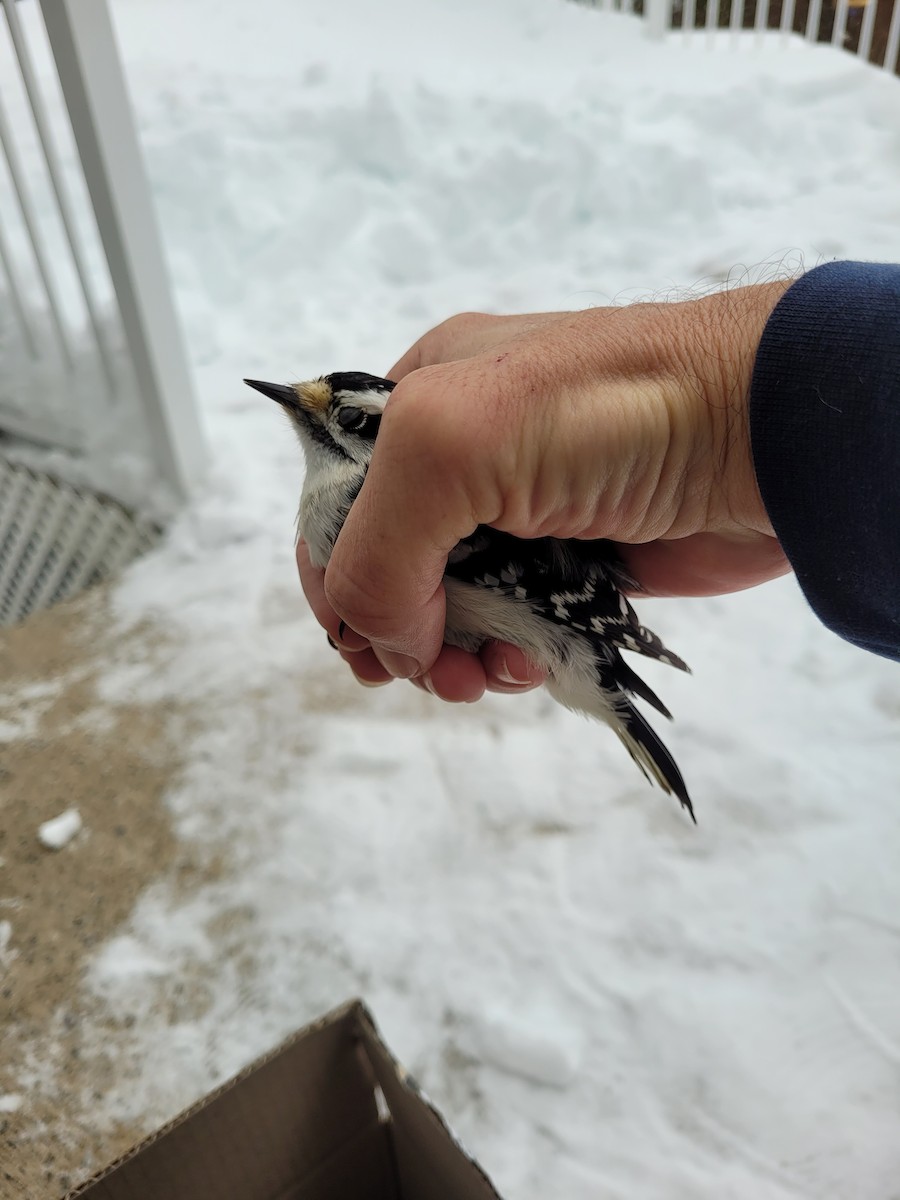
{"x":644,"y":641}
{"x":630,"y":681}
{"x":651,"y":756}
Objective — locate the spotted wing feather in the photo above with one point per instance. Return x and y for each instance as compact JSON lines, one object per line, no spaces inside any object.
{"x":577,"y":584}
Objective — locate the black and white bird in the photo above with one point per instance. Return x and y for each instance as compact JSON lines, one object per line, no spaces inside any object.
{"x":561,"y":601}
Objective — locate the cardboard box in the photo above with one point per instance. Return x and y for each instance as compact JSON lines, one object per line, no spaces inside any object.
{"x":328,"y":1116}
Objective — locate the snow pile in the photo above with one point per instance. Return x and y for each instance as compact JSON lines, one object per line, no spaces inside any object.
{"x":331,"y":183}
{"x":603,"y":999}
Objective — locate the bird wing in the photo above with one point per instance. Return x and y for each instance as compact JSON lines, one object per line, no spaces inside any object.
{"x":577,"y":584}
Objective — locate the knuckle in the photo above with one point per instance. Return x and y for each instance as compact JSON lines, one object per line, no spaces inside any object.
{"x":445,"y":341}
{"x":447,"y":431}
{"x":422,"y":414}
{"x":465,"y":320}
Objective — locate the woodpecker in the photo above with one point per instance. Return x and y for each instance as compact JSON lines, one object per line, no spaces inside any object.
{"x":561,"y":601}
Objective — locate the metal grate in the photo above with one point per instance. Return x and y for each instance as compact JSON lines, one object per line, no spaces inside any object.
{"x":56,"y":540}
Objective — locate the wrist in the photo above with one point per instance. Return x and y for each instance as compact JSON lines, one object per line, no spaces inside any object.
{"x":727,"y":329}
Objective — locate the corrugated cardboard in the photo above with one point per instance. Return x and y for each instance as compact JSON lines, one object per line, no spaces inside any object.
{"x":327,"y":1116}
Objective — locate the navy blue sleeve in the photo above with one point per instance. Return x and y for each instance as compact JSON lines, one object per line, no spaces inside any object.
{"x":825,"y":431}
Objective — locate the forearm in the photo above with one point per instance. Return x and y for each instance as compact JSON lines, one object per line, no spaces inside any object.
{"x":825,"y":429}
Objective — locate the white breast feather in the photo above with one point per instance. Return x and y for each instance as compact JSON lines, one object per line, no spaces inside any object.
{"x":476,"y":615}
{"x":323,"y":502}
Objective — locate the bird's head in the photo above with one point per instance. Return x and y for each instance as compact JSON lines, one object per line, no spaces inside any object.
{"x":336,"y":415}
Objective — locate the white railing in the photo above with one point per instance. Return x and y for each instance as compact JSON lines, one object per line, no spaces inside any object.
{"x":88,"y":339}
{"x":869,"y":28}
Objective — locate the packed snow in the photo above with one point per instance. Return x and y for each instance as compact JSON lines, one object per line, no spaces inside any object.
{"x":59,"y":831}
{"x":604,"y":1000}
{"x":10,"y":1102}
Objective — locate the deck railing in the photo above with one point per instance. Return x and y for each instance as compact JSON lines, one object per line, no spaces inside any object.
{"x":869,"y":28}
{"x":96,"y":401}
{"x":89,"y":318}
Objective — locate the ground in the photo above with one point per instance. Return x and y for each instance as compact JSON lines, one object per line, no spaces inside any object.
{"x":604,"y":1000}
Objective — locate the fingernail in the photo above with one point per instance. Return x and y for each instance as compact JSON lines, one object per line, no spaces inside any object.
{"x":427,"y":684}
{"x":369,"y":683}
{"x":505,"y":675}
{"x":350,"y":639}
{"x":331,"y":642}
{"x":401,"y":666}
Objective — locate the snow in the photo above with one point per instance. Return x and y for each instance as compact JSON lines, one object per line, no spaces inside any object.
{"x":539,"y":1047}
{"x":59,"y":831}
{"x":602,"y":999}
{"x":125,"y":958}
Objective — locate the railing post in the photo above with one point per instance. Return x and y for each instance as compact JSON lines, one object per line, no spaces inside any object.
{"x":813,"y":20}
{"x":892,"y":50}
{"x":57,"y":179}
{"x":867,"y":29}
{"x":839,"y":28}
{"x":87,"y":61}
{"x":659,"y":17}
{"x":29,"y":221}
{"x":15,"y":295}
{"x":786,"y":24}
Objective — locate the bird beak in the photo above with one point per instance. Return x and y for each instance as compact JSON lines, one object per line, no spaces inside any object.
{"x":285,"y":396}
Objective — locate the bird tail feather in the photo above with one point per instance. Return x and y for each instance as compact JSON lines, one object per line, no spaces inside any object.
{"x":642,"y":743}
{"x":644,"y":641}
{"x":630,"y":681}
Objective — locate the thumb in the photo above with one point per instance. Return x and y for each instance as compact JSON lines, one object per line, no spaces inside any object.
{"x":385,"y":574}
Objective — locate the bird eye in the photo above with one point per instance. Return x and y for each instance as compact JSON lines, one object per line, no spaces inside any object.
{"x":350,"y":418}
{"x":357,"y":420}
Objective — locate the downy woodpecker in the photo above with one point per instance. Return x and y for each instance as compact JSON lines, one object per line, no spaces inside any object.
{"x":561,"y":601}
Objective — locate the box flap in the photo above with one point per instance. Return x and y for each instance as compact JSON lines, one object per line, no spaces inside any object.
{"x":295,"y":1124}
{"x":327,"y":1116}
{"x":361,"y":1170}
{"x":432,"y":1164}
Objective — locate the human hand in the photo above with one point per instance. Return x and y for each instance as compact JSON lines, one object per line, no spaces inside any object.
{"x":455,"y":675}
{"x":624,"y":423}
